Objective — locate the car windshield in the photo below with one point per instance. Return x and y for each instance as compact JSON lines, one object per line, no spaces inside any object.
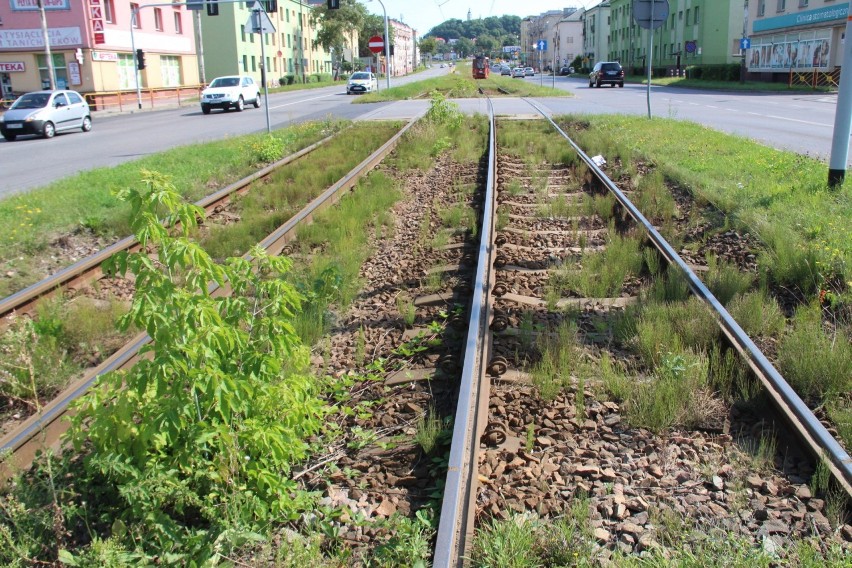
{"x":32,"y":100}
{"x":225,"y":82}
{"x":361,"y":76}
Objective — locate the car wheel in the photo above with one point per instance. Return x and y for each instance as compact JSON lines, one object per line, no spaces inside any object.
{"x":599,"y":84}
{"x":256,"y":102}
{"x":205,"y":109}
{"x":621,"y":85}
{"x":241,"y":104}
{"x":591,"y":84}
{"x":87,"y":124}
{"x":612,"y":85}
{"x":48,"y":131}
{"x":10,"y":137}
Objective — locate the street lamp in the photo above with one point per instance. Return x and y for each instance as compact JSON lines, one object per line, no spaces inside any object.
{"x":387,"y":44}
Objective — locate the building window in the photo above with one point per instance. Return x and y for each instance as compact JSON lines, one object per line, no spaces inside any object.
{"x":158,"y":19}
{"x":696,"y":16}
{"x":243,"y":34}
{"x":178,"y":23}
{"x":58,"y":68}
{"x":134,"y":14}
{"x":761,"y":7}
{"x":109,"y":11}
{"x":687,"y":16}
{"x":782,"y":5}
{"x":170,"y":70}
{"x":245,"y":63}
{"x":126,"y":71}
{"x":803,"y":3}
{"x":253,"y":63}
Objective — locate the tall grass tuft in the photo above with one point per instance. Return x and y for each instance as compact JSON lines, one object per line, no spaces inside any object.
{"x":758,"y":314}
{"x":510,"y":543}
{"x":815,"y":362}
{"x":726,"y":280}
{"x":429,"y":428}
{"x":602,"y":274}
{"x":655,"y":199}
{"x":671,"y":327}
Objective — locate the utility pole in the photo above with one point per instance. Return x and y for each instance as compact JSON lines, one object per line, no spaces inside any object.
{"x":51,"y":72}
{"x":199,"y":48}
{"x":842,"y":118}
{"x":745,"y":35}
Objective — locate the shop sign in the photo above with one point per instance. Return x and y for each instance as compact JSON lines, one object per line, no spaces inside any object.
{"x":104,"y":56}
{"x":12,"y":66}
{"x":33,"y":38}
{"x":32,"y":5}
{"x":96,"y":16}
{"x":74,"y":73}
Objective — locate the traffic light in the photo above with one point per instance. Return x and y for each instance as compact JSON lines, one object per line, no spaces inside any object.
{"x":270,"y":6}
{"x":333,"y":4}
{"x":140,"y":59}
{"x":212,"y":8}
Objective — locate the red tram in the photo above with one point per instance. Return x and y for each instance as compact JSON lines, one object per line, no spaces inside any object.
{"x":481,"y":67}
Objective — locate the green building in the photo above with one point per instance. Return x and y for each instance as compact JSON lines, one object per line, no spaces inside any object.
{"x":696,"y":32}
{"x":230,"y":49}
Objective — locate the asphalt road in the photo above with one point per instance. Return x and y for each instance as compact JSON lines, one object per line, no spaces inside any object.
{"x":799,"y":122}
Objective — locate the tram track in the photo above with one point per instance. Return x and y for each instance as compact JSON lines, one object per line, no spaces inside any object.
{"x":514,"y":452}
{"x":45,"y":428}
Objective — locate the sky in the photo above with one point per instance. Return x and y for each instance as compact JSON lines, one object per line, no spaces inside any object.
{"x":423,"y":15}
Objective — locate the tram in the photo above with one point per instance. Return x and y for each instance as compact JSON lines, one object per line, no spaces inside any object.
{"x":481,"y":67}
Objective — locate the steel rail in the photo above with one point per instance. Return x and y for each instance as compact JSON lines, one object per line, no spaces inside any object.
{"x":24,"y":441}
{"x":87,"y":270}
{"x":456,"y":520}
{"x":797,"y":413}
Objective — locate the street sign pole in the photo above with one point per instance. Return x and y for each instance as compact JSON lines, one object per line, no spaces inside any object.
{"x":256,"y":12}
{"x":650,"y":56}
{"x":842,"y":119}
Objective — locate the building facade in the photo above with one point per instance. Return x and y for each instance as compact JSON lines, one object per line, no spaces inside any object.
{"x":795,"y":36}
{"x":403,"y":60}
{"x":568,"y":39}
{"x":230,"y":47}
{"x":538,"y":29}
{"x":91,"y":46}
{"x":596,"y":34}
{"x":696,"y":32}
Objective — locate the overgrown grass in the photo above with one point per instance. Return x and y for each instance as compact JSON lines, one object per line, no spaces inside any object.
{"x":86,"y":203}
{"x":781,"y":197}
{"x":274,"y":200}
{"x":602,"y":274}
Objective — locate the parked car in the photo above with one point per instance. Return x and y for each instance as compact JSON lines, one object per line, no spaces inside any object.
{"x":529,"y":71}
{"x":518,"y":73}
{"x":606,"y":72}
{"x":233,"y":91}
{"x":566,"y":71}
{"x":363,"y":82}
{"x":45,"y":113}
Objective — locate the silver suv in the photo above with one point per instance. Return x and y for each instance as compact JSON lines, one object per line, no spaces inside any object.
{"x":44,"y":113}
{"x":235,"y":91}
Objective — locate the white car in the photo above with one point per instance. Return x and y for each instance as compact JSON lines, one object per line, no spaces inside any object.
{"x":362,"y":82}
{"x":233,"y":91}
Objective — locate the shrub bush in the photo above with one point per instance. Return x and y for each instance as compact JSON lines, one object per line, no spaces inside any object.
{"x":286,"y":80}
{"x":725,"y":72}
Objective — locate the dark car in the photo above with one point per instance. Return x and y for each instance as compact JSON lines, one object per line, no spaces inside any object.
{"x":566,"y":70}
{"x":606,"y":72}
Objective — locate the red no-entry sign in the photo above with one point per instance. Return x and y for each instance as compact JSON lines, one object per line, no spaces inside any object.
{"x":376,"y":44}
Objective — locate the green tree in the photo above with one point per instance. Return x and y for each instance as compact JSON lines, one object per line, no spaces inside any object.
{"x":334,"y":27}
{"x":486,"y":44}
{"x":464,"y":47}
{"x":428,"y":45}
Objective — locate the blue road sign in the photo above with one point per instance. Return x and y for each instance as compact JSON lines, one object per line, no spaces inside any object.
{"x":745,"y":43}
{"x":541,"y":45}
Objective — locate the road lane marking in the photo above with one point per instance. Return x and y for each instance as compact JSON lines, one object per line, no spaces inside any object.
{"x":302,"y":101}
{"x":797,"y":120}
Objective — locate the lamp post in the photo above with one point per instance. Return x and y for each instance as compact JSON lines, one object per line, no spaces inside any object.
{"x":387,"y":45}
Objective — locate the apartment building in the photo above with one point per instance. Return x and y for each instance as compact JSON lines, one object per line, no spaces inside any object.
{"x":230,"y":47}
{"x":696,"y":32}
{"x":91,"y":46}
{"x":795,"y":35}
{"x":596,"y":33}
{"x":404,"y":58}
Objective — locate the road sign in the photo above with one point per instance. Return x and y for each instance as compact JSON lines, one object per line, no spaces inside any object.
{"x":745,"y":43}
{"x":376,"y":44}
{"x":643,"y":9}
{"x":541,"y":45}
{"x":259,"y":22}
